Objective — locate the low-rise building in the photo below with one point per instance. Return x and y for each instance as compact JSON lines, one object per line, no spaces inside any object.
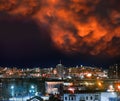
{"x":90,"y":96}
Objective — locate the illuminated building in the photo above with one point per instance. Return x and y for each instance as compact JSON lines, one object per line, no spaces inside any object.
{"x":60,"y":70}
{"x":90,"y":96}
{"x":53,"y":87}
{"x":114,"y":71}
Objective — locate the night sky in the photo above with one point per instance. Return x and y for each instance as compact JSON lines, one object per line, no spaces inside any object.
{"x":43,"y":32}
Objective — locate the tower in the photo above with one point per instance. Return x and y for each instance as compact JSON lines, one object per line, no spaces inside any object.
{"x":60,"y":70}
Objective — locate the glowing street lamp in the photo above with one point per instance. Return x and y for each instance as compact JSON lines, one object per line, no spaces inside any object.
{"x":99,"y":84}
{"x":32,"y":90}
{"x":12,"y":88}
{"x":32,"y":86}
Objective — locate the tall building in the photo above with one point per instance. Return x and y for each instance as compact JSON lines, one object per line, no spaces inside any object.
{"x":114,"y":71}
{"x":60,"y":70}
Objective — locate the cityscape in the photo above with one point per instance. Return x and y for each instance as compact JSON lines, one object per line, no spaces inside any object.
{"x":60,"y":83}
{"x":59,"y":50}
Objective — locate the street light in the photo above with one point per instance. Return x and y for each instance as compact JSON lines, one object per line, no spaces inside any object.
{"x":12,"y":88}
{"x":99,"y":84}
{"x":32,"y":90}
{"x":32,"y":86}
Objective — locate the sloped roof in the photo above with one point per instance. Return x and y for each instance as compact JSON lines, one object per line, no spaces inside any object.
{"x":35,"y":98}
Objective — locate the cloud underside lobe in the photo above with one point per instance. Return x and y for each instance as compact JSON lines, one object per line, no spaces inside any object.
{"x":76,"y":26}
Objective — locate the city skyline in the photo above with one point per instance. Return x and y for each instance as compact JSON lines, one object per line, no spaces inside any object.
{"x":41,"y":33}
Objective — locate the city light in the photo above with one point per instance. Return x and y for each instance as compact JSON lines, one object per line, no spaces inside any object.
{"x":32,"y":90}
{"x":89,"y":75}
{"x":111,"y":88}
{"x":71,"y":89}
{"x":12,"y":87}
{"x":99,"y":84}
{"x":32,"y":87}
{"x":118,"y":87}
{"x":74,"y":81}
{"x":86,"y":83}
{"x":12,"y":90}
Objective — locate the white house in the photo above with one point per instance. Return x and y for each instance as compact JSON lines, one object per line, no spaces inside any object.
{"x":109,"y":96}
{"x":96,"y":96}
{"x":82,"y":97}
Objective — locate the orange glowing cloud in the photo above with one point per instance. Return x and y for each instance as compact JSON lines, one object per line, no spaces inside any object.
{"x":75,"y":25}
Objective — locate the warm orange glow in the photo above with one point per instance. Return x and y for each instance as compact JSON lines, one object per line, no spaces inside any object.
{"x":118,"y":87}
{"x":99,"y":84}
{"x":73,"y":25}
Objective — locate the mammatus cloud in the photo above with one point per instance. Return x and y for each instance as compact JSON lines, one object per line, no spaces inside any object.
{"x":77,"y":26}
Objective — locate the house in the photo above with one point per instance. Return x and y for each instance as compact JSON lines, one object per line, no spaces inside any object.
{"x":90,"y":96}
{"x":82,"y":97}
{"x":36,"y":98}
